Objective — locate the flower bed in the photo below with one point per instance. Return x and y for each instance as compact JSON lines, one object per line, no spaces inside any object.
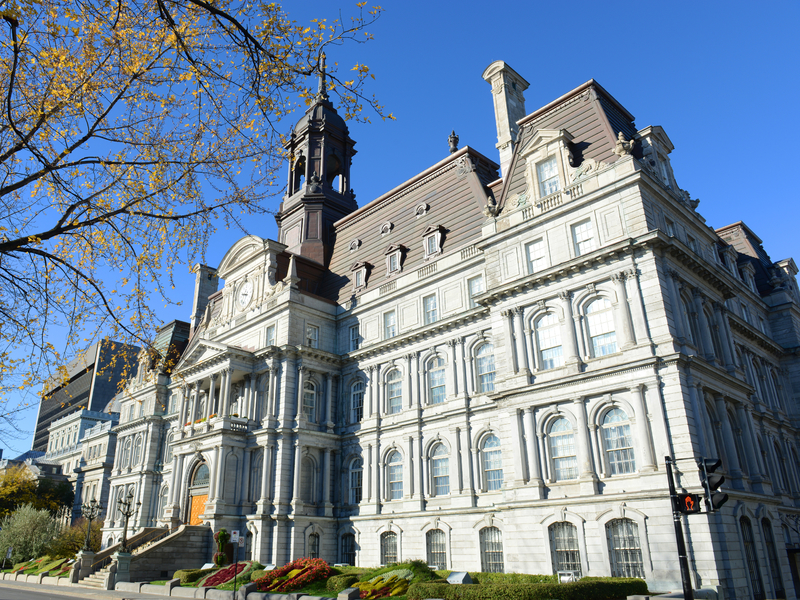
{"x":393,"y":583}
{"x":295,"y":575}
{"x":222,"y":576}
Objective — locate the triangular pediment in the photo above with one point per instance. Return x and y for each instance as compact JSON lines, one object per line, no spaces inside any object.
{"x":199,"y":352}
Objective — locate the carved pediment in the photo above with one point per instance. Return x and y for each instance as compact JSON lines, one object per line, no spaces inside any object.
{"x":200,"y":352}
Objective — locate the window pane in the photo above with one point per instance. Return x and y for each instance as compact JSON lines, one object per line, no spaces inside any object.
{"x":436,"y":380}
{"x":583,"y":235}
{"x":312,"y":336}
{"x":548,"y":337}
{"x":388,"y":548}
{"x":389,"y":325}
{"x":624,"y":549}
{"x":395,"y":476}
{"x":485,"y":357}
{"x":491,"y":540}
{"x":437,"y":548}
{"x":309,"y":400}
{"x":600,"y":321}
{"x":566,"y":553}
{"x":356,"y":481}
{"x":313,"y":546}
{"x":618,"y":442}
{"x":349,"y":549}
{"x":441,"y":471}
{"x":772,"y":557}
{"x":537,"y":257}
{"x":493,"y":463}
{"x":394,"y":392}
{"x":429,"y":306}
{"x":357,"y":402}
{"x":475,"y":289}
{"x":547,"y":171}
{"x":355,"y":338}
{"x":752,"y":561}
{"x":562,"y":450}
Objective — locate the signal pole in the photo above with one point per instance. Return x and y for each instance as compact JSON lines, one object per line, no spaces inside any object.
{"x":676,"y":519}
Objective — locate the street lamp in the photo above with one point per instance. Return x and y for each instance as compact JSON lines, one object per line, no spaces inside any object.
{"x":127,"y":509}
{"x":89,"y":510}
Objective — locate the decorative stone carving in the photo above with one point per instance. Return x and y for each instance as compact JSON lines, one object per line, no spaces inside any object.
{"x":491,"y":209}
{"x":464,"y":166}
{"x":687,"y":200}
{"x":314,"y":184}
{"x":354,"y":245}
{"x":386,"y":227}
{"x":623,"y":147}
{"x":588,"y":167}
{"x":452,"y":139}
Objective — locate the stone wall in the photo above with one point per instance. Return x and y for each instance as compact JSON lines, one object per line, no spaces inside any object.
{"x":189,"y":547}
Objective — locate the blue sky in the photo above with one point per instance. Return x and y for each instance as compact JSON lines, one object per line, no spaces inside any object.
{"x":721,"y":78}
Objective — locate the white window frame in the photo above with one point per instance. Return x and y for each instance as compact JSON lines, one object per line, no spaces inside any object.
{"x":432,"y":241}
{"x":393,"y":410}
{"x":395,"y":493}
{"x":538,"y":263}
{"x":269,"y":335}
{"x":438,"y":369}
{"x":592,"y":334}
{"x":496,"y":485}
{"x":471,"y":293}
{"x":436,"y":548}
{"x":538,"y":329}
{"x":625,"y":462}
{"x":583,"y":245}
{"x":546,"y":187}
{"x":487,"y":386}
{"x":430,"y":314}
{"x":312,"y":336}
{"x":357,"y":409}
{"x":394,"y":260}
{"x":439,"y":479}
{"x":389,"y":330}
{"x":355,"y":338}
{"x":553,"y":438}
{"x":309,"y":409}
{"x":356,"y":476}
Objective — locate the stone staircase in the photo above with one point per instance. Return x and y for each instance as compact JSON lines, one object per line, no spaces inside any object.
{"x":96,"y":580}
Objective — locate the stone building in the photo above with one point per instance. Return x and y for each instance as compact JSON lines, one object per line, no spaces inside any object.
{"x":486,"y":366}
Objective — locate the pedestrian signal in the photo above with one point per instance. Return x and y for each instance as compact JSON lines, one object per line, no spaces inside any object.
{"x":712,"y":481}
{"x":689,"y":503}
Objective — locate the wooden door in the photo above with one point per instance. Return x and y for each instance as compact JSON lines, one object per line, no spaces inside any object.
{"x":197,"y":509}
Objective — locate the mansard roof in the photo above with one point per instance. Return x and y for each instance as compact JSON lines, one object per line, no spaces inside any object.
{"x":593,"y":118}
{"x":451,"y":194}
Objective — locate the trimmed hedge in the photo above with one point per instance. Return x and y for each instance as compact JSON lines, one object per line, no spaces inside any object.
{"x":337,"y":583}
{"x":487,"y":578}
{"x":192,"y":575}
{"x":588,"y":588}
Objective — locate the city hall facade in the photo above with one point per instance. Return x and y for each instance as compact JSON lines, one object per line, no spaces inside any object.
{"x":485,"y":367}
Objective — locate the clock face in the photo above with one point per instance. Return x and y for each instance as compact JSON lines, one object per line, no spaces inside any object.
{"x":245,"y":293}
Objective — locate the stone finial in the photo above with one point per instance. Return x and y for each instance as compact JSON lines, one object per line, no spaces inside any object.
{"x":491,"y":209}
{"x":293,"y":279}
{"x":623,"y":147}
{"x":322,"y":87}
{"x":453,"y":140}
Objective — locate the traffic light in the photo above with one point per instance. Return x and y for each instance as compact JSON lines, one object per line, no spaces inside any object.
{"x":689,"y":503}
{"x":712,"y":481}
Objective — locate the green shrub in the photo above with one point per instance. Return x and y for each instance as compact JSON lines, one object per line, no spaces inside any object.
{"x":29,"y":531}
{"x":485,"y":578}
{"x":600,"y":588}
{"x":257,"y":574}
{"x":337,"y":583}
{"x":191,"y":575}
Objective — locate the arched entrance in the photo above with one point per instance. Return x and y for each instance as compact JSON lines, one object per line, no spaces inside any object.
{"x":198,"y":493}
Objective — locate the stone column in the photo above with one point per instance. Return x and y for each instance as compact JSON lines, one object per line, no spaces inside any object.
{"x":508,"y":325}
{"x":266,"y":468}
{"x":212,"y":470}
{"x":722,"y":334}
{"x":644,"y":449}
{"x":623,"y":311}
{"x":184,"y":405}
{"x":585,"y":466}
{"x":368,"y":472}
{"x":452,"y":382}
{"x":212,"y":382}
{"x":466,"y":461}
{"x":194,"y":393}
{"x":226,"y":393}
{"x":377,"y":386}
{"x":409,"y":474}
{"x":409,"y":383}
{"x":749,"y":444}
{"x":247,"y":392}
{"x":727,"y":434}
{"x":705,"y":331}
{"x":220,"y":473}
{"x":248,"y":455}
{"x":519,"y":470}
{"x":369,"y":404}
{"x":532,"y":446}
{"x":326,"y":482}
{"x":301,"y":375}
{"x":571,"y":358}
{"x":376,"y":471}
{"x":698,"y":413}
{"x":636,"y":301}
{"x":519,"y":338}
{"x":271,"y":395}
{"x":329,"y":401}
{"x":298,"y":457}
{"x":677,"y":306}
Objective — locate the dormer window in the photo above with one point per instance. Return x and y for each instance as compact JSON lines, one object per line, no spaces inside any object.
{"x":394,"y":259}
{"x":359,"y":271}
{"x":547,"y":172}
{"x":432,"y":241}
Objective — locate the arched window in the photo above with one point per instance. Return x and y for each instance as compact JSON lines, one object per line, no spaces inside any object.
{"x":168,"y":449}
{"x":624,"y":549}
{"x":309,"y":401}
{"x":618,"y":442}
{"x":200,"y":476}
{"x":492,"y":463}
{"x":388,"y":547}
{"x":436,"y":386}
{"x":394,"y":475}
{"x":753,"y":569}
{"x":349,"y":549}
{"x":772,"y":558}
{"x":562,"y":450}
{"x":313,"y":545}
{"x":137,"y":451}
{"x":437,"y":548}
{"x":564,"y":548}
{"x":357,"y":401}
{"x":485,"y":356}
{"x":163,"y":498}
{"x":394,"y":392}
{"x":356,"y":480}
{"x":548,"y":341}
{"x":491,"y":540}
{"x":600,"y":325}
{"x":441,"y":471}
{"x":126,"y":453}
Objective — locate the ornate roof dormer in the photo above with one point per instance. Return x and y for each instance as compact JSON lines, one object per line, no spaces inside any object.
{"x":318,"y":186}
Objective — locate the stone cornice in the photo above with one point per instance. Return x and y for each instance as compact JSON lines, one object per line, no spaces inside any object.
{"x":754,"y":335}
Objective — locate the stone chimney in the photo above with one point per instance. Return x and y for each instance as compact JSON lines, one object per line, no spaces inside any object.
{"x":509,"y":107}
{"x":206,"y":283}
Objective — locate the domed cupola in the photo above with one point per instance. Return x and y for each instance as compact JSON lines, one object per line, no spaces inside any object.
{"x":318,"y":189}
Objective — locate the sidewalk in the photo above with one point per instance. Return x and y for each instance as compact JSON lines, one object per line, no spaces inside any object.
{"x":77,"y":591}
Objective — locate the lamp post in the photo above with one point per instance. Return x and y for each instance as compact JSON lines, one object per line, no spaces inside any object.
{"x":90,"y":511}
{"x":127,"y":509}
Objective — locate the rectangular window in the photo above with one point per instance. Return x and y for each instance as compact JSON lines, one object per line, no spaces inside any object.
{"x":312,"y":336}
{"x":537,"y":256}
{"x":355,"y":338}
{"x":745,"y":313}
{"x":356,"y":478}
{"x":429,"y":306}
{"x":441,"y":476}
{"x":670,"y":228}
{"x":394,"y":262}
{"x":692,"y":243}
{"x":389,"y":325}
{"x":271,"y":335}
{"x":583,"y":237}
{"x":430,"y":245}
{"x":547,"y":171}
{"x":475,"y":289}
{"x":360,"y":278}
{"x":396,"y":482}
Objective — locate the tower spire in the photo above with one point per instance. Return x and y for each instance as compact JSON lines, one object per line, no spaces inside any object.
{"x":322,"y":88}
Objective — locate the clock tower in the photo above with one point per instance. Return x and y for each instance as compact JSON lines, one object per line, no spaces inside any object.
{"x":318,"y":191}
